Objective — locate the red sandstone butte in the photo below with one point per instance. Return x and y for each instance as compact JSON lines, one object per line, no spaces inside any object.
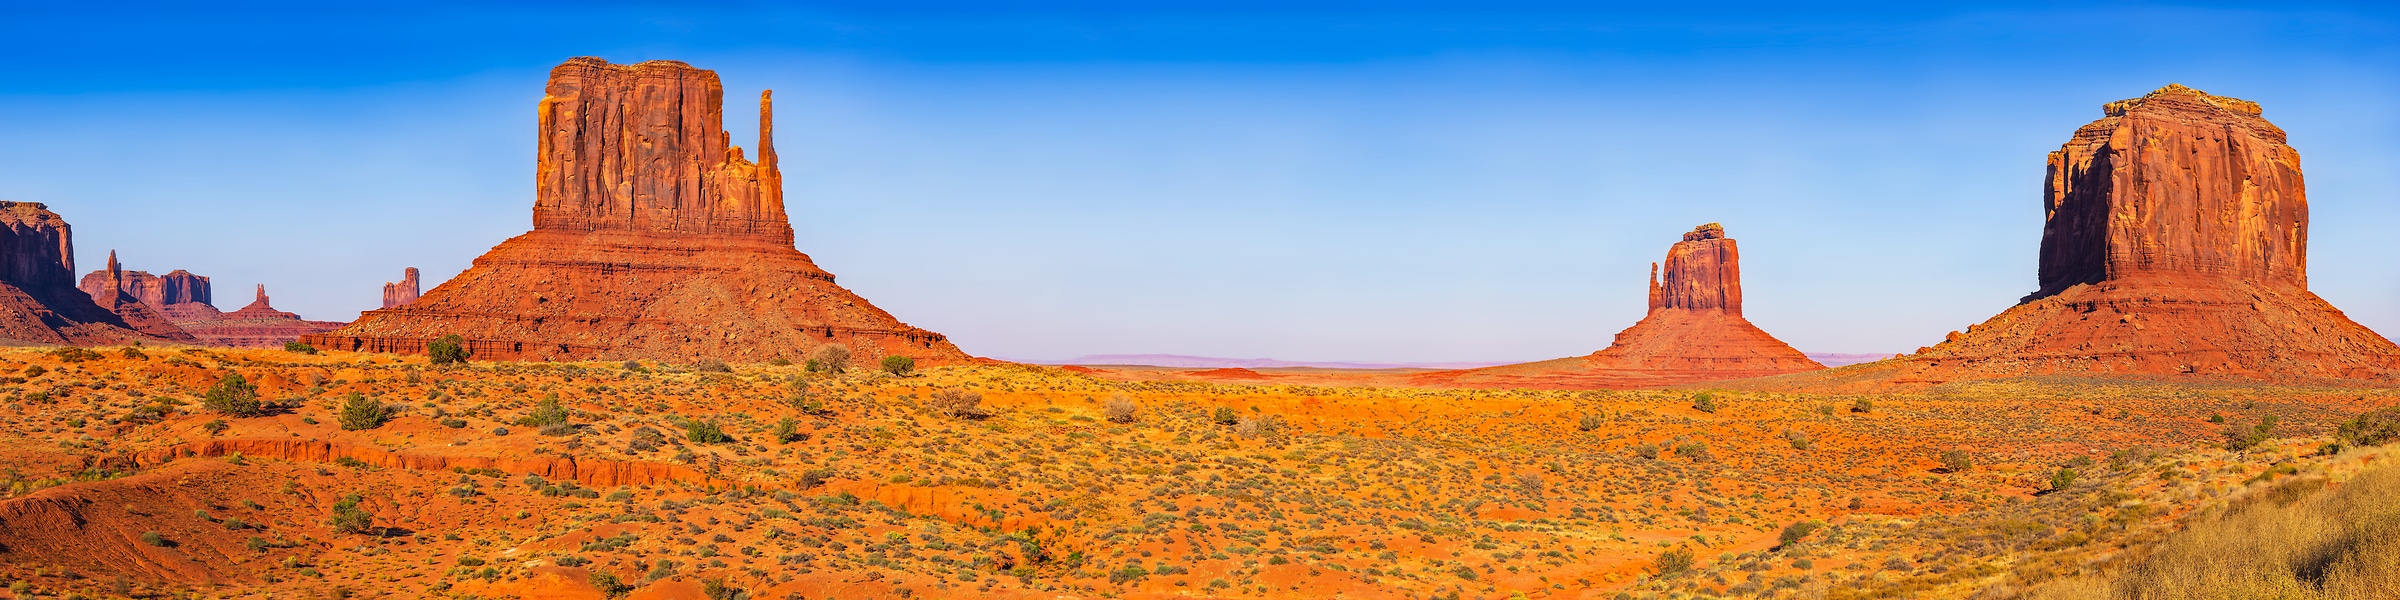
{"x":39,"y":301}
{"x":184,"y":300}
{"x":653,"y":237}
{"x":402,"y":292}
{"x":2175,"y":243}
{"x":1693,"y":333}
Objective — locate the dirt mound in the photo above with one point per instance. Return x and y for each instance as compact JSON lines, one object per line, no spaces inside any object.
{"x":653,"y":238}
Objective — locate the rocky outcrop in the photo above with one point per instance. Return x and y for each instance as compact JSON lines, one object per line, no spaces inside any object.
{"x":1694,"y":331}
{"x":402,"y":292}
{"x":39,"y":301}
{"x":257,"y":325}
{"x":2174,"y":243}
{"x":653,"y":237}
{"x":159,"y":291}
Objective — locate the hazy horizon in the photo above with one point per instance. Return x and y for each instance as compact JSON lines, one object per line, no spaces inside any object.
{"x":1411,"y":183}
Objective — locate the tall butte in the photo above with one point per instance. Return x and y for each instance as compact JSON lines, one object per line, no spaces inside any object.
{"x":1694,"y":331}
{"x":39,"y":301}
{"x":653,"y":237}
{"x":2174,"y":242}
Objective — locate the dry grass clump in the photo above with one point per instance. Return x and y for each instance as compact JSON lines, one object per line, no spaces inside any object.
{"x":957,"y":403}
{"x":2300,"y":540}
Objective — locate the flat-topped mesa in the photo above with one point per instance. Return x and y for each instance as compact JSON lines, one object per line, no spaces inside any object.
{"x":643,"y":147}
{"x":2176,"y":183}
{"x":162,"y":292}
{"x":402,"y":292}
{"x":1703,"y":272}
{"x":38,"y":245}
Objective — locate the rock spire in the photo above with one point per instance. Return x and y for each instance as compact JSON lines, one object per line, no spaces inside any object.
{"x":40,"y":301}
{"x":402,"y":292}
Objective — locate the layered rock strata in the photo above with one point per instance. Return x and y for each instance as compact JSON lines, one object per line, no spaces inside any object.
{"x":1694,"y":331}
{"x":653,"y":237}
{"x":402,"y":292}
{"x":39,"y":301}
{"x":2174,"y":242}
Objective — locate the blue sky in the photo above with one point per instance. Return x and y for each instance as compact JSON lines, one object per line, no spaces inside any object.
{"x":1384,"y":181}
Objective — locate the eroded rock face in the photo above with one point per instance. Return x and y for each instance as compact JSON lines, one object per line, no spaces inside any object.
{"x":39,"y":299}
{"x":257,"y":325}
{"x":1694,"y":331}
{"x":2174,"y":243}
{"x":402,"y":292}
{"x":653,"y":238}
{"x":180,"y":300}
{"x":2176,"y":183}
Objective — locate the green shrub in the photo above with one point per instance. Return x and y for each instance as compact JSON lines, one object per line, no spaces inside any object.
{"x":1591,"y":422}
{"x":448,"y":349}
{"x":360,"y":413}
{"x":154,"y":539}
{"x":2238,"y":438}
{"x":233,"y":396}
{"x":299,"y":348}
{"x":547,"y":415}
{"x":2061,"y":479}
{"x":2372,"y":429}
{"x":1862,"y":405}
{"x":1705,"y":402}
{"x":1673,"y":562}
{"x":788,"y":431}
{"x":608,"y":585}
{"x":1957,"y":461}
{"x":1225,"y":416}
{"x":705,"y":432}
{"x":349,"y":518}
{"x":134,"y":353}
{"x":1798,"y":531}
{"x":899,"y":365}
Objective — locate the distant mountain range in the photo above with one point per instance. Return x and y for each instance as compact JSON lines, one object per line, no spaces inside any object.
{"x":1181,"y":361}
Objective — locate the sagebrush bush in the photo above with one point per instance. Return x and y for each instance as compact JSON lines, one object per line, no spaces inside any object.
{"x":360,"y":413}
{"x":447,"y":350}
{"x":899,"y":365}
{"x":233,"y":396}
{"x":1119,"y":410}
{"x":829,"y":358}
{"x":956,"y":402}
{"x":349,"y":518}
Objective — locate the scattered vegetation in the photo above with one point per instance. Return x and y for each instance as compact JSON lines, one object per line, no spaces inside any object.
{"x":447,"y":350}
{"x":299,"y":348}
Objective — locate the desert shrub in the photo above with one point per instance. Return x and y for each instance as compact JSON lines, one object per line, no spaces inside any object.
{"x":1695,"y":452}
{"x":349,"y":518}
{"x":608,"y":584}
{"x":447,"y":350}
{"x":299,"y":348}
{"x":233,"y":396}
{"x":547,"y":416}
{"x":1799,"y":439}
{"x":1591,"y":421}
{"x":1251,"y":427}
{"x":1225,"y":415}
{"x":1705,"y":402}
{"x":1530,"y":484}
{"x":829,"y":358}
{"x":32,"y":371}
{"x":1673,"y":562}
{"x":899,"y":365}
{"x":1649,"y":451}
{"x":74,"y":354}
{"x":2059,"y":480}
{"x":2333,"y":542}
{"x":1862,"y":405}
{"x":814,"y":477}
{"x":2375,"y":428}
{"x":780,"y":361}
{"x":711,"y":365}
{"x":788,"y":431}
{"x":360,"y":413}
{"x":1119,"y":410}
{"x":2239,"y":438}
{"x":634,"y":366}
{"x":1797,"y":531}
{"x":133,"y":353}
{"x":705,"y":432}
{"x":956,"y":402}
{"x":715,"y":588}
{"x":1957,"y":461}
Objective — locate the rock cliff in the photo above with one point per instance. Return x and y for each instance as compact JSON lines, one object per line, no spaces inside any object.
{"x":2174,"y":243}
{"x":1694,"y":331}
{"x":39,"y":301}
{"x":653,"y":237}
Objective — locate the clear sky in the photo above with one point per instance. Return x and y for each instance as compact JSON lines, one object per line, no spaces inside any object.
{"x":1384,"y":181}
